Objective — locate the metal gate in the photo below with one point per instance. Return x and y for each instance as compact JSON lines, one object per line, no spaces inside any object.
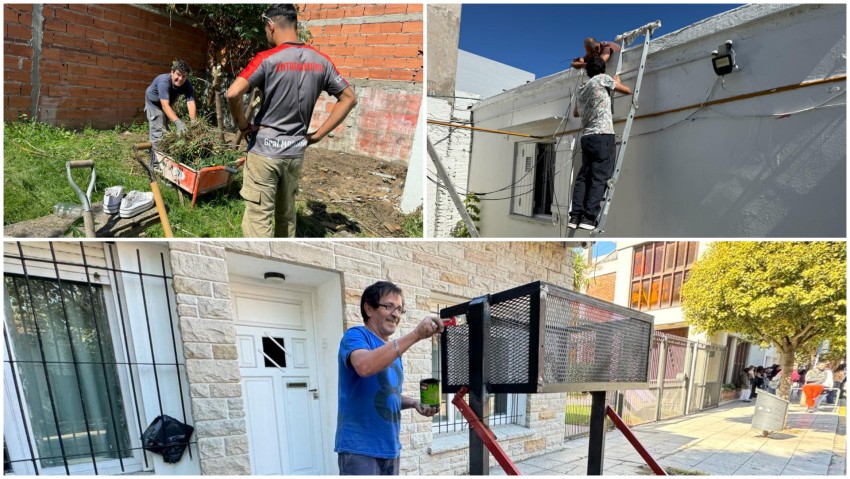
{"x":685,"y":378}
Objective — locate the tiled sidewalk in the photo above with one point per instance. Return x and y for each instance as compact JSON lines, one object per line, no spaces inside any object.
{"x":719,"y":441}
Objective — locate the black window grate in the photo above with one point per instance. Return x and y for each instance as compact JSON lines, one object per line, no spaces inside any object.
{"x":54,"y":370}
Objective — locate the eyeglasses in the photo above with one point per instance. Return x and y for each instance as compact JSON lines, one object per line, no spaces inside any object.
{"x":265,"y":18}
{"x":394,"y":309}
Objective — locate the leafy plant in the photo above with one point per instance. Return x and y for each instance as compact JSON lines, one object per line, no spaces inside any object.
{"x":412,"y":224}
{"x":789,"y":294}
{"x":199,"y":146}
{"x":235,"y":34}
{"x":471,"y":203}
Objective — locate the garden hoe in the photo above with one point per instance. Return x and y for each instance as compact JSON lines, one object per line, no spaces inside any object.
{"x":85,"y":198}
{"x":160,"y":206}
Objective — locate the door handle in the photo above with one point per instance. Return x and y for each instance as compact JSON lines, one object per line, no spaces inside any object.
{"x":315,"y":393}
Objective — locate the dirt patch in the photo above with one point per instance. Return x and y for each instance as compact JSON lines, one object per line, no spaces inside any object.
{"x":365,"y":190}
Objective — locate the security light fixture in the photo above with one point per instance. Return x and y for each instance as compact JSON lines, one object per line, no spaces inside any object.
{"x":274,"y":278}
{"x":724,"y":63}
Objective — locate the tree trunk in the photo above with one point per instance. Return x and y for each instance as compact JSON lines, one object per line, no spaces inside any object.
{"x":216,"y":87}
{"x":787,"y":366}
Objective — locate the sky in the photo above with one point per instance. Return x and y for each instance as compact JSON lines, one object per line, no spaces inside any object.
{"x":601,"y":248}
{"x":543,"y":38}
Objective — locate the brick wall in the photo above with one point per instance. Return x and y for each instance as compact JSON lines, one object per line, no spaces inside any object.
{"x":378,"y":48}
{"x":465,"y":269}
{"x":95,"y":61}
{"x":602,"y":287}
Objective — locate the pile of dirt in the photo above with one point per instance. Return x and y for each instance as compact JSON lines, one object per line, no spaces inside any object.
{"x":364,"y":189}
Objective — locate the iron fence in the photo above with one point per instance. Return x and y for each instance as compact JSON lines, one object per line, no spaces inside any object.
{"x":72,"y":368}
{"x":685,"y":377}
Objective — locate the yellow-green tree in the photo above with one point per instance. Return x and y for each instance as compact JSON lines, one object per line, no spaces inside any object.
{"x":789,"y":294}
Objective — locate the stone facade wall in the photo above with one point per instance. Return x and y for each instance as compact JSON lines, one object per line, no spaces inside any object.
{"x":466,"y":269}
{"x":209,"y":345}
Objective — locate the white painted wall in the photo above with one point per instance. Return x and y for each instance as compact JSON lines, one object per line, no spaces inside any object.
{"x":734,"y":170}
{"x":486,"y":77}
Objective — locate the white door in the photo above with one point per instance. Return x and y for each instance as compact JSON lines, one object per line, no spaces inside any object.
{"x":277,"y":360}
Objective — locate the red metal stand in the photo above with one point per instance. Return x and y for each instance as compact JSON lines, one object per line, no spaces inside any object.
{"x":484,"y":433}
{"x":656,"y":468}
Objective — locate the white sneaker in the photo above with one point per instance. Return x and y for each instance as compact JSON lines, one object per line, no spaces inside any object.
{"x":135,"y":202}
{"x":112,"y":199}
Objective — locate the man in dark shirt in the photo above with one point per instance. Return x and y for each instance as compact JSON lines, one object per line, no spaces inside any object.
{"x":603,"y":50}
{"x":162,"y":93}
{"x":291,"y":75}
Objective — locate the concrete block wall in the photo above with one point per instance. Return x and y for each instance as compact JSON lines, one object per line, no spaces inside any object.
{"x":92,"y":62}
{"x":378,"y":49}
{"x":466,"y":269}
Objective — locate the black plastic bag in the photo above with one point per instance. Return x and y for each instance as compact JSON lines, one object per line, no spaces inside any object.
{"x":167,"y":437}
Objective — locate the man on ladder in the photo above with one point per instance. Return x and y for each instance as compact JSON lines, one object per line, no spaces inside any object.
{"x":598,"y":144}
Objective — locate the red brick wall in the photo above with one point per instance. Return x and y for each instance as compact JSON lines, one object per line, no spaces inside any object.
{"x":96,"y":61}
{"x":378,"y":48}
{"x":602,"y":287}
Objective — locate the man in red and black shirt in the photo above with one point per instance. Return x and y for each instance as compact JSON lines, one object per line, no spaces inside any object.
{"x":291,"y":75}
{"x":603,"y":50}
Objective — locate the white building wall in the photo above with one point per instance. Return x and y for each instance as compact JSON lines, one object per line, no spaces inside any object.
{"x":731,"y":170}
{"x":486,"y":77}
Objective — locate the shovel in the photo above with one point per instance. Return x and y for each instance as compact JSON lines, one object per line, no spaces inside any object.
{"x":157,"y":197}
{"x":85,"y":198}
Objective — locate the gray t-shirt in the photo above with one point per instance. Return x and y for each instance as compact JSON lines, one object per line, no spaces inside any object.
{"x":292,"y":76}
{"x":163,"y":89}
{"x":594,"y":106}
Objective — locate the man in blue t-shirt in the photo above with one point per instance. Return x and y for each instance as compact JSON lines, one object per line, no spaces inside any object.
{"x":162,"y":93}
{"x":370,"y":381}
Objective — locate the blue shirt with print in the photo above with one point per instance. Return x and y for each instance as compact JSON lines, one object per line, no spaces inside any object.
{"x":369,"y":415}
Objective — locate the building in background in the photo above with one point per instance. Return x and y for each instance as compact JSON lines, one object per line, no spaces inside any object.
{"x":454,"y":89}
{"x":755,"y":153}
{"x":649,"y":277}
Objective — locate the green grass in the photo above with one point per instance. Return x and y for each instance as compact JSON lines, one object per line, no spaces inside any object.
{"x":578,"y":415}
{"x":34,"y":166}
{"x":35,"y":180}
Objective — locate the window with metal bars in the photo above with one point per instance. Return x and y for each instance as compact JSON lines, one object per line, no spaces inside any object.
{"x":504,"y":408}
{"x":77,"y":374}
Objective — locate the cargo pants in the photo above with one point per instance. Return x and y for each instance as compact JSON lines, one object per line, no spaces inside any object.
{"x":269,"y":188}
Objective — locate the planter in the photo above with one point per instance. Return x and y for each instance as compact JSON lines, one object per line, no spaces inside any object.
{"x":729,"y":394}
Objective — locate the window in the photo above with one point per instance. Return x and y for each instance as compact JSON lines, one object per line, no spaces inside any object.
{"x":504,"y":408}
{"x":658,"y":272}
{"x":84,"y":374}
{"x":66,"y":368}
{"x":534,"y":179}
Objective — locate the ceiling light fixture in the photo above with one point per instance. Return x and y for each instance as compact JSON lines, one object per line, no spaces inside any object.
{"x":274,"y":278}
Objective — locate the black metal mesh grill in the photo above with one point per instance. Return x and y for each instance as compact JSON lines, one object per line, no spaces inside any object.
{"x":584,"y":340}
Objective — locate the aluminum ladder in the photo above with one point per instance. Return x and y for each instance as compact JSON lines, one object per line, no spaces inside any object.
{"x":625,"y":38}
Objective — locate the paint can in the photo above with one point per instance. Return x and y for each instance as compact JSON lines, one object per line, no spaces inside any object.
{"x":429,"y":393}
